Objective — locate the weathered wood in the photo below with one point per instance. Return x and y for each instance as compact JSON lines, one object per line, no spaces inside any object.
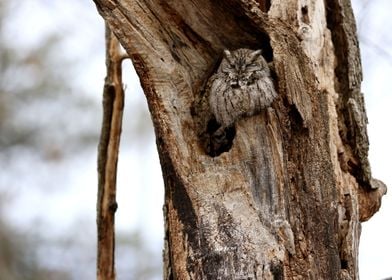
{"x":286,"y":199}
{"x":113,"y":104}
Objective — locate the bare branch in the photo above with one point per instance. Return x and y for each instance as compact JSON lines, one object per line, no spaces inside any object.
{"x":113,"y":104}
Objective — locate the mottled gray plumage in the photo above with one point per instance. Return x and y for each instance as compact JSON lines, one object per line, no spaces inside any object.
{"x":242,"y":86}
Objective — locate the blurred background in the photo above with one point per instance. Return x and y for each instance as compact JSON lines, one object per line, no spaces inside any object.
{"x":51,"y":77}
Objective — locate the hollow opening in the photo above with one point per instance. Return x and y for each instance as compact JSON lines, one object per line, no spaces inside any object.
{"x":218,"y":140}
{"x":305,"y":14}
{"x":343,"y":264}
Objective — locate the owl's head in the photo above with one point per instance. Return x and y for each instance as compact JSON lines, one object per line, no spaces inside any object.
{"x":243,"y":66}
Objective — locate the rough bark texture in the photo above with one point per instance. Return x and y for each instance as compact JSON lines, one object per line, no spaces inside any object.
{"x":113,"y":104}
{"x":286,"y":198}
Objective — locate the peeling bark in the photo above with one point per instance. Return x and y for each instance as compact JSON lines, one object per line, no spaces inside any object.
{"x":286,"y":199}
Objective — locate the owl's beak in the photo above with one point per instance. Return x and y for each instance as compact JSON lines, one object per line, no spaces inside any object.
{"x":241,"y":83}
{"x":237,"y":84}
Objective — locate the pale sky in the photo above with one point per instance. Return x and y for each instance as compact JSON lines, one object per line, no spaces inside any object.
{"x":140,"y":202}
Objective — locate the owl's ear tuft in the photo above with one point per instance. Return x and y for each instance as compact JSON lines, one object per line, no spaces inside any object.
{"x":228,"y":56}
{"x":255,"y":54}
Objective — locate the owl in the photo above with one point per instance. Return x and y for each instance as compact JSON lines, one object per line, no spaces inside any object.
{"x":242,"y":86}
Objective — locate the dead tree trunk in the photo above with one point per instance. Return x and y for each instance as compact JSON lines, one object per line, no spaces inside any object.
{"x":286,"y":198}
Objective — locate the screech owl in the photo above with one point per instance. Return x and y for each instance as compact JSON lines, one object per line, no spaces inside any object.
{"x":242,"y":86}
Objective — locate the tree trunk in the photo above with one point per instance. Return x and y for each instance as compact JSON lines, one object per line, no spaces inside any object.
{"x":285,"y":198}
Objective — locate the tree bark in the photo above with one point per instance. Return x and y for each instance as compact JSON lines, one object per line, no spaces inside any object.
{"x":286,"y":198}
{"x":108,"y":148}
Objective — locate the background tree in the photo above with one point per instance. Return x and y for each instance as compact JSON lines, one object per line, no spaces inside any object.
{"x":287,"y":196}
{"x":49,"y":128}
